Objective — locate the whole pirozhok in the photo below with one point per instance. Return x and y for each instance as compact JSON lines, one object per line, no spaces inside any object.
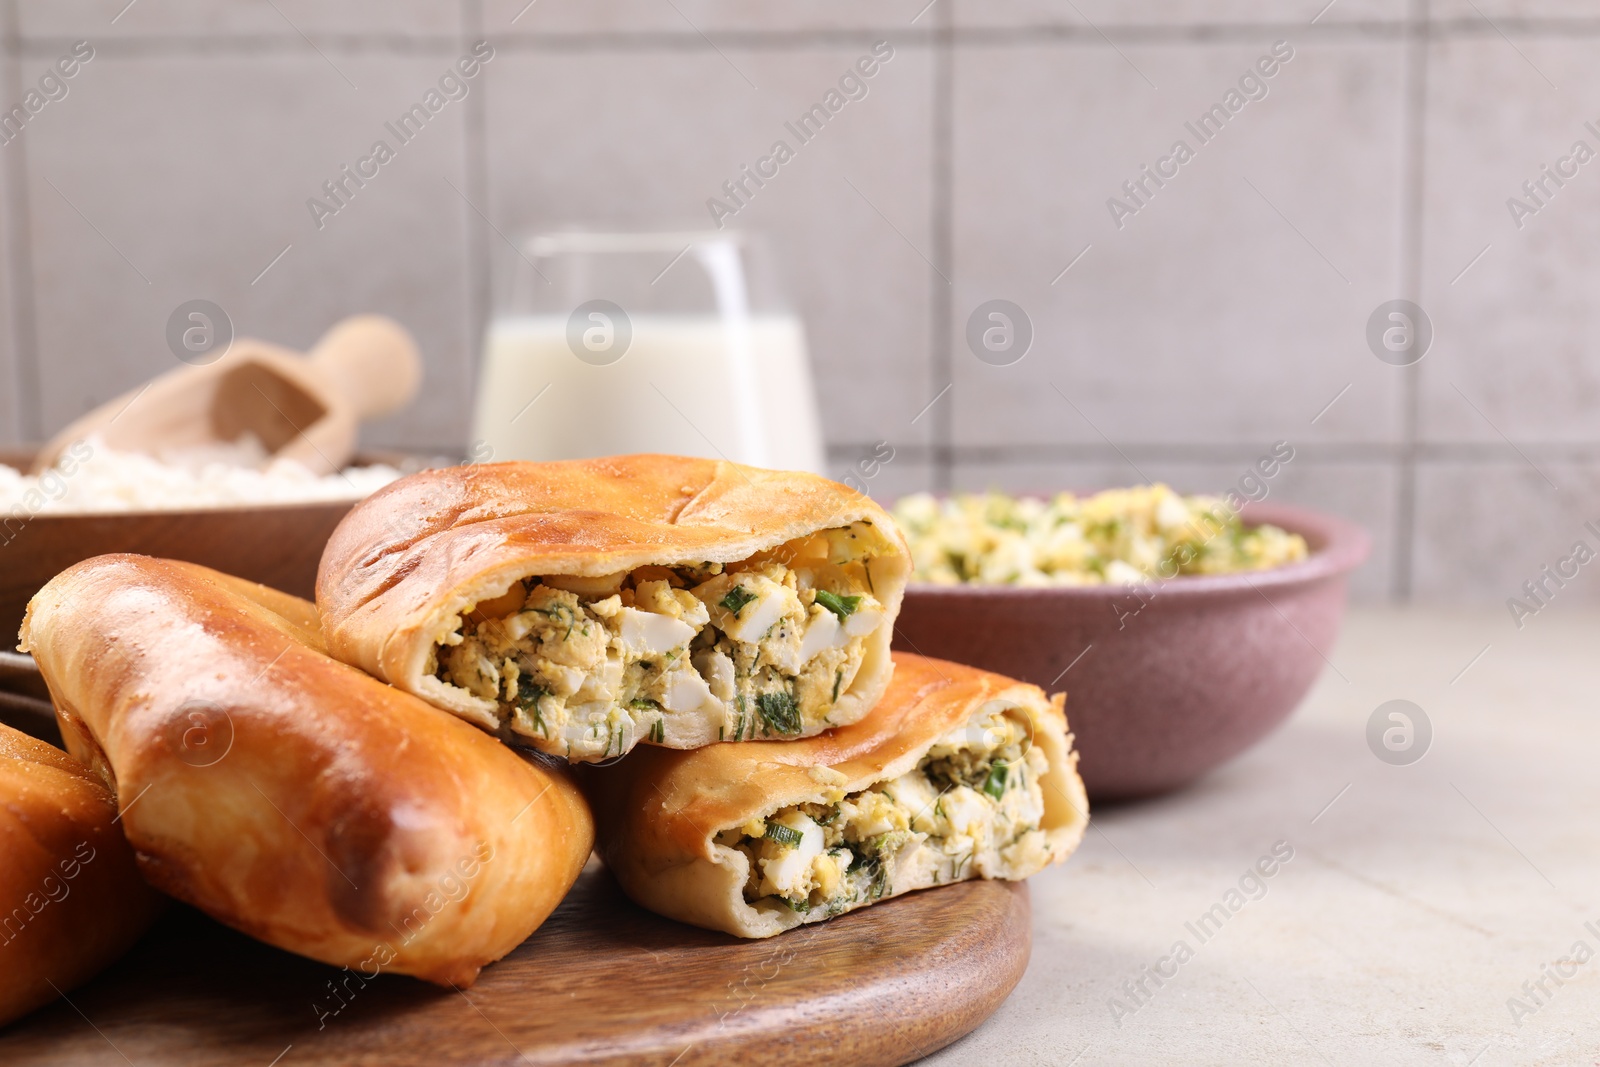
{"x":290,"y":796}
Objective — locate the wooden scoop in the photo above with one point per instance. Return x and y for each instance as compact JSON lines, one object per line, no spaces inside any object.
{"x":306,"y":408}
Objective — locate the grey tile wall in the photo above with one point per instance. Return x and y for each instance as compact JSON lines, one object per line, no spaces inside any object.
{"x":1222,"y":310}
{"x":15,"y":382}
{"x":1515,"y":351}
{"x":1486,"y":528}
{"x":653,"y":17}
{"x":1090,"y":16}
{"x":203,"y":19}
{"x":197,"y":203}
{"x":1229,"y":311}
{"x":564,"y":143}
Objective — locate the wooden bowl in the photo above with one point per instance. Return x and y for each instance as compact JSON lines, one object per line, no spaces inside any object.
{"x":276,"y":544}
{"x":1164,"y":688}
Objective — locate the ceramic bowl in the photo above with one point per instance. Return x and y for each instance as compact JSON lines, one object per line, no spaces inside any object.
{"x":1165,"y":686}
{"x":276,"y":544}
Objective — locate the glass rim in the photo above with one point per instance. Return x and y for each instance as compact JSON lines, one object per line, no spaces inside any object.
{"x":545,"y":245}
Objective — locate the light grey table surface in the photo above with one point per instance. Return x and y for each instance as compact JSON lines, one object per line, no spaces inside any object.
{"x":1419,"y":898}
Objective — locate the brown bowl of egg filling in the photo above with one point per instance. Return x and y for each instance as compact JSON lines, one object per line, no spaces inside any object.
{"x":1182,"y":631}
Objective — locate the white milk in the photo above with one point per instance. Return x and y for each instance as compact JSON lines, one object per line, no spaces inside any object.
{"x":694,"y":385}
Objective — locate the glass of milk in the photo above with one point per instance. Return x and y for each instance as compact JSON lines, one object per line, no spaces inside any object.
{"x":610,"y":343}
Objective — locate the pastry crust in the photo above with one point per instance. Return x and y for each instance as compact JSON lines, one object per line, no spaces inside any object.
{"x":659,"y":812}
{"x":406,"y":563}
{"x":289,"y":795}
{"x":71,"y":899}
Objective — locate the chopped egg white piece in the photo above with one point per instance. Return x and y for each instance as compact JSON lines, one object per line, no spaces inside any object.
{"x":687,"y":691}
{"x":647,"y":634}
{"x":823,"y":631}
{"x":863,"y":621}
{"x":753,"y":619}
{"x":793,"y":862}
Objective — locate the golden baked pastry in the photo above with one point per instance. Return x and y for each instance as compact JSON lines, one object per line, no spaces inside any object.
{"x":956,"y":774}
{"x":587,"y":606}
{"x":289,"y":795}
{"x":71,"y":899}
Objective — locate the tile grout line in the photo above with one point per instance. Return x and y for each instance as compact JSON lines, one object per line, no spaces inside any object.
{"x":17,"y":231}
{"x":1211,"y":452}
{"x":1027,"y":35}
{"x":475,"y":174}
{"x":940,"y":362}
{"x":1414,"y":124}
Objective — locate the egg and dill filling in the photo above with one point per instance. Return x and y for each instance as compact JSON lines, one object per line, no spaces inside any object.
{"x":971,"y":808}
{"x":1114,"y":537}
{"x":675,"y":655}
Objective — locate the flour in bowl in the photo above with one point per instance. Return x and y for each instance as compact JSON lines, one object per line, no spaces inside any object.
{"x":89,"y":477}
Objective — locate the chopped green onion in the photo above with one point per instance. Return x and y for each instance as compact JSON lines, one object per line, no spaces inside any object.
{"x":837,"y":679}
{"x":658,"y":731}
{"x":779,"y":712}
{"x":961,"y":865}
{"x":736,"y":599}
{"x":842,"y":606}
{"x":787,"y":836}
{"x":995,"y":784}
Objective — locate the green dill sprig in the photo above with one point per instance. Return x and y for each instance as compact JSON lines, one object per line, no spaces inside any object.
{"x":558,"y":613}
{"x":528,"y":696}
{"x":879,"y":856}
{"x":879,"y":874}
{"x":780,"y":713}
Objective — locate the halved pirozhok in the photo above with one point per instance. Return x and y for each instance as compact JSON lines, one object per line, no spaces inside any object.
{"x":588,"y":606}
{"x":956,"y":774}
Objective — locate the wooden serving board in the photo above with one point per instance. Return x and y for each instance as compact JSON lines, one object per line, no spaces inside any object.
{"x":602,"y":981}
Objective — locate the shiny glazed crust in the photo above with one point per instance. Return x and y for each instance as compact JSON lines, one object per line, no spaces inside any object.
{"x":71,"y":899}
{"x":659,"y":811}
{"x":288,"y":795}
{"x":407,"y":561}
